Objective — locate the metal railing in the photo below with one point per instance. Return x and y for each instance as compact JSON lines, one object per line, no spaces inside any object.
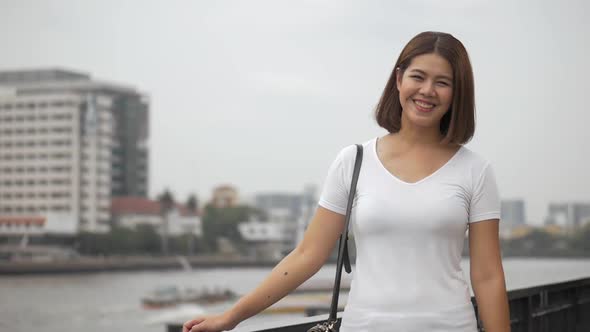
{"x":558,"y":307}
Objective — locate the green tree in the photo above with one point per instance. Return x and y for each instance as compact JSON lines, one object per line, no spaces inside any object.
{"x":148,"y":240}
{"x":581,"y":240}
{"x":166,"y":204}
{"x":223,"y":222}
{"x":192,"y":203}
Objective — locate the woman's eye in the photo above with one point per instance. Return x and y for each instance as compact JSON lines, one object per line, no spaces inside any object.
{"x":443,"y":83}
{"x":416,"y":77}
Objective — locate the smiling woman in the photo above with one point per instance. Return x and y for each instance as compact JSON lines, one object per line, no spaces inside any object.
{"x":435,"y":69}
{"x":426,"y":86}
{"x":419,"y":190}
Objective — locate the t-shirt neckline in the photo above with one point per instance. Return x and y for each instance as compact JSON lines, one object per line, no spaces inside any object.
{"x":419,"y":181}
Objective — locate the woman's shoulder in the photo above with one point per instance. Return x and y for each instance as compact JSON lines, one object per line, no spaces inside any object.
{"x":348,"y":152}
{"x":473,"y":160}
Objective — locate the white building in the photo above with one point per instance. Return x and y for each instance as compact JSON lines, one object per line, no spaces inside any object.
{"x":58,"y":136}
{"x":292,"y":210}
{"x":569,"y":215}
{"x":266,"y":238}
{"x":51,"y":223}
{"x":288,"y":216}
{"x":131,"y":212}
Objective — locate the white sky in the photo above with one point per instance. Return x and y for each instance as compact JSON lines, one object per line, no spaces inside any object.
{"x":263,"y":94}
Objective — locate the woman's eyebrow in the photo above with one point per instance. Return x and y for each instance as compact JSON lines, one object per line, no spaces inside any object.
{"x":439,"y":76}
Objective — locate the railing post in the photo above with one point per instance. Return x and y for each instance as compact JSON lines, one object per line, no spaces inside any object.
{"x":530,"y":313}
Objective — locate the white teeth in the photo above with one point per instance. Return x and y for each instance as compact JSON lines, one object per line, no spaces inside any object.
{"x":423,"y":105}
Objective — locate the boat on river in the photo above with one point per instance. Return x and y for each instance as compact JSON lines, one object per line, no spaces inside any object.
{"x":168,"y":296}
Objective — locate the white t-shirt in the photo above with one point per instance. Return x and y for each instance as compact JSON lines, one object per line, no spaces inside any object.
{"x":409,"y":238}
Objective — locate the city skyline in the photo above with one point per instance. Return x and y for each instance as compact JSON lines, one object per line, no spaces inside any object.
{"x":263,"y":95}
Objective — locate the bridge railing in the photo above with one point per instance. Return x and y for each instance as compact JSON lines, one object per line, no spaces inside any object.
{"x":557,"y":307}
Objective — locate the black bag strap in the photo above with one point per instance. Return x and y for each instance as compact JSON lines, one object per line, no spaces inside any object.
{"x":343,"y":243}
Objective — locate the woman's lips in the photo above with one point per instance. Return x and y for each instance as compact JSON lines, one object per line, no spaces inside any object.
{"x":424,"y":106}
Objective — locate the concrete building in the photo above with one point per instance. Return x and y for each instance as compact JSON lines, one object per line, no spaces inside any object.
{"x":131,"y":212}
{"x":266,"y":239}
{"x":224,"y":196}
{"x":513,"y":212}
{"x":53,"y":223}
{"x":67,"y":144}
{"x":512,"y":216}
{"x":569,"y":215}
{"x":288,"y":216}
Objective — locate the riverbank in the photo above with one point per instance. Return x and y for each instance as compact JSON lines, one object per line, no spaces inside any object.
{"x":105,"y":301}
{"x":92,"y":264}
{"x":130,"y":263}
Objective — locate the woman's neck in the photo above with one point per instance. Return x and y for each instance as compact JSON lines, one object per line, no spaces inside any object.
{"x":419,"y":136}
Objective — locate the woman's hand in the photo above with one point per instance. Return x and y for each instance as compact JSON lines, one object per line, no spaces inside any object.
{"x":215,"y":323}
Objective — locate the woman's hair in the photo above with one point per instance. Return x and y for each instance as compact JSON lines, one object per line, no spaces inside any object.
{"x":457,"y":125}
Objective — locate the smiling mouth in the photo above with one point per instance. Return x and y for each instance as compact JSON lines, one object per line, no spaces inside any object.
{"x":424,"y":106}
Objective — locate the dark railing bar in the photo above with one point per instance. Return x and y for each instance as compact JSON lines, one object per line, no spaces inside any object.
{"x":558,"y":308}
{"x":531,"y":309}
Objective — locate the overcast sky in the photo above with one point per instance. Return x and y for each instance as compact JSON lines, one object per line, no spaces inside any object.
{"x":263,"y":94}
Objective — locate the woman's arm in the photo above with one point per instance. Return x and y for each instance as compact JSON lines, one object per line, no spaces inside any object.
{"x":302,"y":263}
{"x":487,"y":275}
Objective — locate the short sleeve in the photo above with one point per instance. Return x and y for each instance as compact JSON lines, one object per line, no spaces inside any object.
{"x":485,"y":199}
{"x":334,"y":196}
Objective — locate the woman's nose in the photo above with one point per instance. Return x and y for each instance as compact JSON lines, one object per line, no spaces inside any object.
{"x":427,"y":89}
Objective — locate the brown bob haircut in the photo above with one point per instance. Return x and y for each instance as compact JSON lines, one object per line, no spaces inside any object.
{"x":457,"y":125}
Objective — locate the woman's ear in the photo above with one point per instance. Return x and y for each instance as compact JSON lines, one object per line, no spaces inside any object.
{"x":398,"y":77}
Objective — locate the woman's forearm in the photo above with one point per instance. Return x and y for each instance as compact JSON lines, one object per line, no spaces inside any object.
{"x":492,"y":304}
{"x":291,"y":272}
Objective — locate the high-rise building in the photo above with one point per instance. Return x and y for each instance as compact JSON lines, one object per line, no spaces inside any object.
{"x":512,"y":216}
{"x":513,"y":212}
{"x":570,"y":215}
{"x":69,"y":143}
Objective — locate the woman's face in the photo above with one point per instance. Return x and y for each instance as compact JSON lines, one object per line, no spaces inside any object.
{"x":426,"y":90}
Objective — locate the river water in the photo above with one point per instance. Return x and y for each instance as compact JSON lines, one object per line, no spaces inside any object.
{"x":111,"y":300}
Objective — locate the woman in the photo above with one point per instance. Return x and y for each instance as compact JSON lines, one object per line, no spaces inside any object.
{"x":418,"y":192}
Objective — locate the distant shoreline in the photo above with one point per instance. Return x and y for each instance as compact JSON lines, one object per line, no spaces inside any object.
{"x":135,"y":263}
{"x":147,"y":263}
